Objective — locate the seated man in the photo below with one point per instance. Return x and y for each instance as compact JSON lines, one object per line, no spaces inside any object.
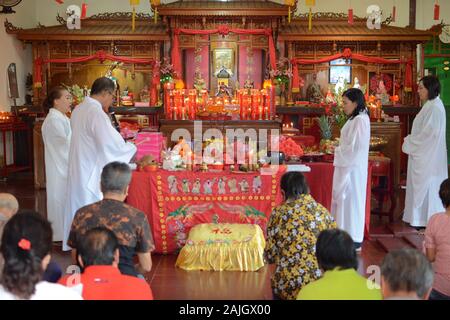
{"x":406,"y":274}
{"x":98,"y":255}
{"x":128,"y":224}
{"x":336,"y":256}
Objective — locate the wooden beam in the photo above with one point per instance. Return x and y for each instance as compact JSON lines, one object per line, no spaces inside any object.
{"x":412,"y":13}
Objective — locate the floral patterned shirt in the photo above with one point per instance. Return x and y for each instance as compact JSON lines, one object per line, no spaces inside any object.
{"x":291,"y":244}
{"x":130,"y":226}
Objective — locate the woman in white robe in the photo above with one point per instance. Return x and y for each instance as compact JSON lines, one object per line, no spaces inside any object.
{"x":351,"y":160}
{"x":427,"y":156}
{"x":95,"y":143}
{"x":56,"y":133}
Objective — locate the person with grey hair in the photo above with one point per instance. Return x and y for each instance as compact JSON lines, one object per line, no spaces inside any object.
{"x":406,"y":274}
{"x":130,"y":225}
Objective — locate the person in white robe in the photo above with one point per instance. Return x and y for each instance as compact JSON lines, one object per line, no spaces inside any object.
{"x":351,"y":160}
{"x":95,"y":143}
{"x":56,"y":133}
{"x":427,"y":156}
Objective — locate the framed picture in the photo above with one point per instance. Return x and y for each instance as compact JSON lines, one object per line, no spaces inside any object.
{"x":339,"y":68}
{"x":381,"y":82}
{"x":223,"y":58}
{"x":429,"y":72}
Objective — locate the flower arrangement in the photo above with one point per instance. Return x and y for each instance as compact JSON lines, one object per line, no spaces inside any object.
{"x":283,"y":73}
{"x":77,"y":93}
{"x":167,"y":71}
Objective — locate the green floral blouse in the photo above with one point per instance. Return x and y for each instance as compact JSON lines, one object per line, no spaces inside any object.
{"x":291,"y":244}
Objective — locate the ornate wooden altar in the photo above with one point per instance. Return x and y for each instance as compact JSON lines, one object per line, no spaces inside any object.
{"x":331,"y":34}
{"x":109,"y":33}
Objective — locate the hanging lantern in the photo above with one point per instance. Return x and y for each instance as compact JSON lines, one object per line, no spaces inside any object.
{"x":134,"y":3}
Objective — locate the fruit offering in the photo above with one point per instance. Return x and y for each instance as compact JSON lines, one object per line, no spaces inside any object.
{"x":290,"y":148}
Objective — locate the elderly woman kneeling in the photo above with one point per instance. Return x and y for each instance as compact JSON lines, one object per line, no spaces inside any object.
{"x":292,"y":235}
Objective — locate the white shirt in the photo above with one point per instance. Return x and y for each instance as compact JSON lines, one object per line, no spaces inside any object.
{"x":45,"y":291}
{"x":351,"y":160}
{"x":56,"y":133}
{"x":95,"y":143}
{"x":427,"y":163}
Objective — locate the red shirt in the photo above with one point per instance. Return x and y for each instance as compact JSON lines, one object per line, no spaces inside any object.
{"x":107,"y":283}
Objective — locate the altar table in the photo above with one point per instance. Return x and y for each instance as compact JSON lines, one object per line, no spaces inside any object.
{"x":174,"y":202}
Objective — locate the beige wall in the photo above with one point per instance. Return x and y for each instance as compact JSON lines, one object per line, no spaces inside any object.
{"x":30,"y":12}
{"x":47,"y":10}
{"x":425,"y":11}
{"x":13,"y":51}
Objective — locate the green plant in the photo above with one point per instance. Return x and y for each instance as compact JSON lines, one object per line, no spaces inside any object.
{"x":325,"y":125}
{"x":339,"y":116}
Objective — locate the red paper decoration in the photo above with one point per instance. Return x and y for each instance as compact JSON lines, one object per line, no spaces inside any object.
{"x":83,"y":11}
{"x":394,"y":13}
{"x":350,"y":16}
{"x":436,"y":11}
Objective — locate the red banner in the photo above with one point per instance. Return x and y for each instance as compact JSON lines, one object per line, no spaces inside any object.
{"x":176,"y":201}
{"x":222,"y":30}
{"x":348,"y":54}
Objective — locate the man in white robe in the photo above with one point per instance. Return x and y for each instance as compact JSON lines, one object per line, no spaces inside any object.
{"x":351,"y":160}
{"x":95,"y":143}
{"x":56,"y":133}
{"x":427,"y":157}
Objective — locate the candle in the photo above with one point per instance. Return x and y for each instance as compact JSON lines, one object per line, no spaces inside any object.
{"x":266,"y":113}
{"x":260,"y":112}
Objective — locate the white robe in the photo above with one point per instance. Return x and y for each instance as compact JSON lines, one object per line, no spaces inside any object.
{"x":95,"y":143}
{"x":56,"y":133}
{"x":427,"y":163}
{"x":351,"y":160}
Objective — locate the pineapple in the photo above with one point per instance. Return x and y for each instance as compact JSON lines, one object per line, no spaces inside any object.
{"x":325,"y":124}
{"x":325,"y":127}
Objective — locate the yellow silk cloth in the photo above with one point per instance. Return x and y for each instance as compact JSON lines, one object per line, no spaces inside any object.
{"x":223,"y":246}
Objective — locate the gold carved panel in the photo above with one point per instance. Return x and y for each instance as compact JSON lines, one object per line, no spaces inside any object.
{"x":59,"y":50}
{"x":79,"y":49}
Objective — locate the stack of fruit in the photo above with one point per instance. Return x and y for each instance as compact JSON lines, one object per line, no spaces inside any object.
{"x":290,"y":148}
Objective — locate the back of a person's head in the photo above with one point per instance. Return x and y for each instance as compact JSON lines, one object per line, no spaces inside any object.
{"x":294,"y":185}
{"x":407,"y":270}
{"x":26,"y":241}
{"x":101,"y":85}
{"x":335,"y":249}
{"x":444,"y":193}
{"x":116,"y":177}
{"x":97,"y":247}
{"x":8,"y":204}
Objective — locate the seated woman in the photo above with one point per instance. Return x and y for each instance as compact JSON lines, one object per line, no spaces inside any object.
{"x":337,"y":258}
{"x":437,"y":246}
{"x":291,"y":237}
{"x":26,"y":247}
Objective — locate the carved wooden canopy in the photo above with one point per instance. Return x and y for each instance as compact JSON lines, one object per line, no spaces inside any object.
{"x":234,"y":8}
{"x":107,"y":26}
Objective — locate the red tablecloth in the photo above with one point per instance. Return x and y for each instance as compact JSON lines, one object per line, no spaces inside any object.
{"x":176,"y":201}
{"x":320,"y":181}
{"x":171,"y":215}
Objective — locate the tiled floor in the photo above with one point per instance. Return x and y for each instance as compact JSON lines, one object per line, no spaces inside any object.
{"x":169,"y":282}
